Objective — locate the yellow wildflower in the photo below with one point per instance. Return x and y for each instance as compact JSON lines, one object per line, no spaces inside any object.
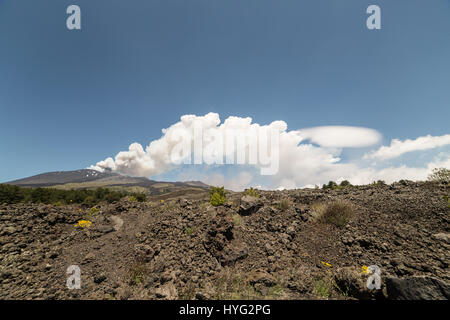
{"x":365,"y":269}
{"x":326,"y":264}
{"x":83,"y":223}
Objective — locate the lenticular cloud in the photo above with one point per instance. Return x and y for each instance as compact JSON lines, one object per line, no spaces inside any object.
{"x":342,"y":136}
{"x":293,"y":149}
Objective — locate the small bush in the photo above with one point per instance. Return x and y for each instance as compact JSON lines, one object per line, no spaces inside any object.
{"x":337,"y":213}
{"x":237,"y":220}
{"x":140,"y":197}
{"x":251,"y":192}
{"x":331,"y":185}
{"x":137,"y":273}
{"x":189,"y":231}
{"x":440,"y":175}
{"x":90,"y":201}
{"x":60,"y":203}
{"x":113,"y":197}
{"x":93,"y":211}
{"x":446,"y":198}
{"x":217,"y":196}
{"x":345,"y":184}
{"x":283,"y":205}
{"x":322,"y":288}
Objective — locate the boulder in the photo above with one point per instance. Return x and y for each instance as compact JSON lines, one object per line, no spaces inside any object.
{"x":261,"y":276}
{"x":249,"y":205}
{"x":417,"y":288}
{"x":220,"y":240}
{"x":167,"y":291}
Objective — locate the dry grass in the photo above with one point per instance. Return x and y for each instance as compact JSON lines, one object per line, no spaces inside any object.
{"x":337,"y":213}
{"x":137,"y":273}
{"x":237,"y":220}
{"x":283,"y":205}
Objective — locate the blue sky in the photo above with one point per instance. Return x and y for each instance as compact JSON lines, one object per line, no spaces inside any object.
{"x":71,"y":98}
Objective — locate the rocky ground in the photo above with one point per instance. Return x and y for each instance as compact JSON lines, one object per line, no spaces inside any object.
{"x":272,"y":246}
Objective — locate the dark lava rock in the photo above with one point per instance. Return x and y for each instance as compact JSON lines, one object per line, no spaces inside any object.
{"x":249,"y":205}
{"x":417,"y":288}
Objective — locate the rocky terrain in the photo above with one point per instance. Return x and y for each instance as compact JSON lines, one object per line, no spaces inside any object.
{"x":272,"y":246}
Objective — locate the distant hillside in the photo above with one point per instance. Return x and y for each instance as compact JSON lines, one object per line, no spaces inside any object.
{"x":90,"y":179}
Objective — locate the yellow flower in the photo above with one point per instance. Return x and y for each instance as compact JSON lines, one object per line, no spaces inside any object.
{"x":365,"y":269}
{"x":83,"y":223}
{"x":326,"y":264}
{"x":162,"y":201}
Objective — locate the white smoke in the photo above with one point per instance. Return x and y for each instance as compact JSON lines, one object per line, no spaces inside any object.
{"x":165,"y":153}
{"x":306,"y":156}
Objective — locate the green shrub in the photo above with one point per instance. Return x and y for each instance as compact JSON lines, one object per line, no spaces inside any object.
{"x":137,"y":273}
{"x":440,"y":175}
{"x":237,"y":220}
{"x":337,"y":213}
{"x":140,"y":197}
{"x":345,"y":183}
{"x":251,"y":192}
{"x":331,"y":185}
{"x":189,"y":231}
{"x":94,"y":210}
{"x":113,"y":197}
{"x":13,"y":194}
{"x":217,"y":196}
{"x":60,"y":203}
{"x":322,"y":288}
{"x":90,"y":201}
{"x":283,"y":205}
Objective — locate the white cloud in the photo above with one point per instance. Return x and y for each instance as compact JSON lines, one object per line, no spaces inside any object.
{"x":164,"y":154}
{"x":300,"y":163}
{"x":342,"y":136}
{"x":398,"y":147}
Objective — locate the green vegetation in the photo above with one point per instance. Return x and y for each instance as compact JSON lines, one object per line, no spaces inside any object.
{"x":233,"y":285}
{"x":322,"y":288}
{"x":189,"y":231}
{"x":333,"y":185}
{"x":283,"y":205}
{"x":345,"y":183}
{"x":251,"y":192}
{"x":237,"y":220}
{"x":217,"y":196}
{"x":93,"y":211}
{"x":440,"y":175}
{"x":337,"y":213}
{"x":137,"y":273}
{"x":446,"y":198}
{"x":10,"y":194}
{"x":275,"y":291}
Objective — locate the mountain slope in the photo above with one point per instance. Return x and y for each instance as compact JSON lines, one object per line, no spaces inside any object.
{"x":86,"y":178}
